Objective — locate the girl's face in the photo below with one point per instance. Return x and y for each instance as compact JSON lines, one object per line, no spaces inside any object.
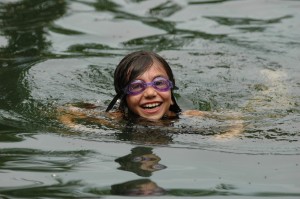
{"x":151,"y":104}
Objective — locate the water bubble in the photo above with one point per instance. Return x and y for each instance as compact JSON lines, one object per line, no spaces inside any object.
{"x":4,"y":64}
{"x":54,"y":175}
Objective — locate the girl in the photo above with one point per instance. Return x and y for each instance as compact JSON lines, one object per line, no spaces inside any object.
{"x":144,"y":84}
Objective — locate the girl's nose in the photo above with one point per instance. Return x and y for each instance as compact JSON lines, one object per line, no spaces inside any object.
{"x":150,"y":92}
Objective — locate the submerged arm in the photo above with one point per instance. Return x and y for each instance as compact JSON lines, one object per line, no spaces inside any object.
{"x":69,"y":114}
{"x":236,"y":126}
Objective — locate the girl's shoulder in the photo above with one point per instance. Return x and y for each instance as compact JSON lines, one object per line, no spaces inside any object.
{"x":115,"y":115}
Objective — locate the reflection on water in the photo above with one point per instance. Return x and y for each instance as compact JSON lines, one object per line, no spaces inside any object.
{"x":240,"y":56}
{"x":24,"y":29}
{"x":24,"y":159}
{"x":141,"y":161}
{"x":24,"y":26}
{"x":141,"y":187}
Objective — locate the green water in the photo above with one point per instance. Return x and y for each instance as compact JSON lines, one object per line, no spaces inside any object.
{"x":237,"y":56}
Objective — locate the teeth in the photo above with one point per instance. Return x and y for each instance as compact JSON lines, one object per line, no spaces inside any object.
{"x":151,"y":105}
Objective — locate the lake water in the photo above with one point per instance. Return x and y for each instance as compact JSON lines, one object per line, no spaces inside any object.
{"x":228,"y":56}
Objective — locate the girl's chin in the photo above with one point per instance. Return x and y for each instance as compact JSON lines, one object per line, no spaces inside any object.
{"x":151,"y":115}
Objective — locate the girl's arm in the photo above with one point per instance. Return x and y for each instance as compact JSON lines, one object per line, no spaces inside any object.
{"x":235,"y":119}
{"x":69,"y":114}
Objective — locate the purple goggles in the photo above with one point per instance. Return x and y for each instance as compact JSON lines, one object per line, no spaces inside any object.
{"x":138,"y":86}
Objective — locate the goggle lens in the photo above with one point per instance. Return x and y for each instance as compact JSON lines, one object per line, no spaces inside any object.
{"x":138,"y":86}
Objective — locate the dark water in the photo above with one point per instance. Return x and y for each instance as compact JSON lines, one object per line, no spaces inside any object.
{"x":237,"y":56}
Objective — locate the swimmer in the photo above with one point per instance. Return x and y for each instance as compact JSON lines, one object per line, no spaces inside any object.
{"x":144,"y":85}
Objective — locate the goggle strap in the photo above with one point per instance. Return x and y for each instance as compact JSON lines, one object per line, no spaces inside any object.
{"x":113,"y":101}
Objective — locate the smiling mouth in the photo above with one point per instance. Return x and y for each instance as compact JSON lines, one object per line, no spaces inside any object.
{"x":151,"y":106}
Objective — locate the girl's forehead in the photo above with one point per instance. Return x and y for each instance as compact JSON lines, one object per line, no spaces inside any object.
{"x":153,"y":71}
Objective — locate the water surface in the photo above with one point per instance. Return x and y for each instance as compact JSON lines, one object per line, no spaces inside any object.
{"x":227,"y":56}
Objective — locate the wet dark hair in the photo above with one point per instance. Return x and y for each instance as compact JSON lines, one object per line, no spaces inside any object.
{"x":132,"y":66}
